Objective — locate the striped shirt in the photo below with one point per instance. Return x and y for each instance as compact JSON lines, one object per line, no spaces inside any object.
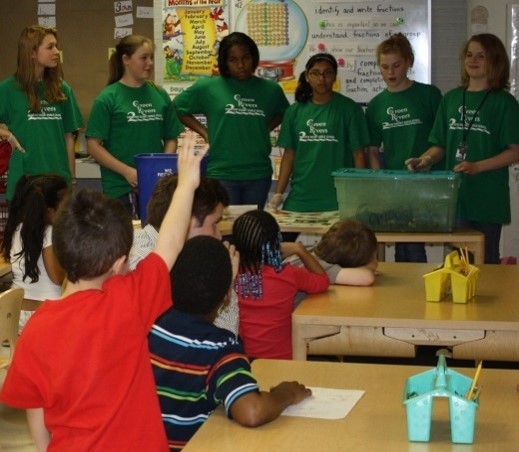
{"x":197,"y":366}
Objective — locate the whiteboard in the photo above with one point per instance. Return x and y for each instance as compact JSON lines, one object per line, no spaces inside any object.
{"x":288,"y":32}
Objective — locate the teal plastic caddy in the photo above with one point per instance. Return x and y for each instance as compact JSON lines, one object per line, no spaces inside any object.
{"x":420,"y":391}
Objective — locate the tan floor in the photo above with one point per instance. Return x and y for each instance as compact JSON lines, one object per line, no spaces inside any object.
{"x":14,"y":432}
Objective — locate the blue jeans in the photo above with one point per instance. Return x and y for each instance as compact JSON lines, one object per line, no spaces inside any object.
{"x":410,"y":252}
{"x":243,"y":192}
{"x":492,"y":233}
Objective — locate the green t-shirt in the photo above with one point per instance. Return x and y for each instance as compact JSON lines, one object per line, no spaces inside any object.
{"x":41,"y":134}
{"x":131,"y":121}
{"x":483,"y":197}
{"x":323,"y":138}
{"x":238,"y":114}
{"x":402,"y":121}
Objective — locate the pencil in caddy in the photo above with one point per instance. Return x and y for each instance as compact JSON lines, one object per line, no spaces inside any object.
{"x":420,"y":391}
{"x":456,"y":277}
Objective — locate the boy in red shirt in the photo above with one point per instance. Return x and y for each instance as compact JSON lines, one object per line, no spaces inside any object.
{"x":81,"y":368}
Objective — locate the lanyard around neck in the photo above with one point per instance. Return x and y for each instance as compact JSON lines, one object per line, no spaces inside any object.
{"x":466,"y":132}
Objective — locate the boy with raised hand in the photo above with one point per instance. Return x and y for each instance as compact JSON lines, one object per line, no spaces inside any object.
{"x":81,"y":367}
{"x":197,"y":365}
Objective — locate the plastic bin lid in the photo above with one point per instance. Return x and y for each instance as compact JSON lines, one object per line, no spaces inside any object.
{"x":393,"y":174}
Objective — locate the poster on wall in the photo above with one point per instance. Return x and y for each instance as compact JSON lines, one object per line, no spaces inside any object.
{"x":189,"y":35}
{"x":288,"y":32}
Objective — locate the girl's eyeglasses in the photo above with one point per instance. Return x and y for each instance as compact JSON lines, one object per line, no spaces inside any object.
{"x":316,"y":74}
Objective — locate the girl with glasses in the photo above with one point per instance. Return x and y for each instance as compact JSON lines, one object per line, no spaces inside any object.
{"x":321,"y":132}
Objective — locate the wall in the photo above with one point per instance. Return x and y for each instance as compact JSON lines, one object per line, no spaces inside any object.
{"x":449,"y":31}
{"x":85,"y":32}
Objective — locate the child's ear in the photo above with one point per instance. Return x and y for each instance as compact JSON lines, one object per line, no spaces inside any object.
{"x":223,"y":305}
{"x":193,"y":225}
{"x":120,"y":266}
{"x":227,"y":299}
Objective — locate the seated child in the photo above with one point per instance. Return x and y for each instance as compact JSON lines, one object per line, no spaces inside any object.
{"x":266,"y":287}
{"x":348,"y":253}
{"x":198,"y":366}
{"x":81,"y":367}
{"x":210,"y":200}
{"x":27,"y":241}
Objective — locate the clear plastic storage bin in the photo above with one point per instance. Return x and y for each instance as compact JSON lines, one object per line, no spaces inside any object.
{"x":398,"y":201}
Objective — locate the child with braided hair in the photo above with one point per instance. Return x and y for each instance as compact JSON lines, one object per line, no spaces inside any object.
{"x":266,"y":287}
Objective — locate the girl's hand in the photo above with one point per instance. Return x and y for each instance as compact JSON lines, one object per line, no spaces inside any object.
{"x":423,"y":163}
{"x":290,"y":248}
{"x":471,"y":168}
{"x":15,"y":144}
{"x":131,"y":176}
{"x":276,"y":201}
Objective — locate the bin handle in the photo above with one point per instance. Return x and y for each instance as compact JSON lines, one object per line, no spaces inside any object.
{"x":441,"y":373}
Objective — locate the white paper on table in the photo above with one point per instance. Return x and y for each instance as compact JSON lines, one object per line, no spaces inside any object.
{"x":326,"y":403}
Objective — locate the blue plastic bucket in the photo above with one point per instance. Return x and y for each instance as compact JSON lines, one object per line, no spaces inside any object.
{"x":150,"y":168}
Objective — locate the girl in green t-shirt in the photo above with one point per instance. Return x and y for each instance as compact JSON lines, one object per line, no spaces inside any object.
{"x":241,"y":110}
{"x":400,"y":119}
{"x":321,"y":132}
{"x":476,"y":131}
{"x":130,"y":116}
{"x":39,"y":109}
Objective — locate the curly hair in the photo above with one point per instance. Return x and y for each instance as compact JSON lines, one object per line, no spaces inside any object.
{"x":201,"y":276}
{"x":396,"y":43}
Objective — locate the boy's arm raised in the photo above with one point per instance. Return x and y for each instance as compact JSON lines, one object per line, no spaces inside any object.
{"x":258,"y":408}
{"x":174,"y":227}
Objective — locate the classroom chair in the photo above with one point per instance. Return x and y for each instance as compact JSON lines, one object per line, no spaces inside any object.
{"x":10,"y":307}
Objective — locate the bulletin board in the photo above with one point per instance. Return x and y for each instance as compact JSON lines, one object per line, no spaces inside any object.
{"x":288,"y":32}
{"x":87,"y":29}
